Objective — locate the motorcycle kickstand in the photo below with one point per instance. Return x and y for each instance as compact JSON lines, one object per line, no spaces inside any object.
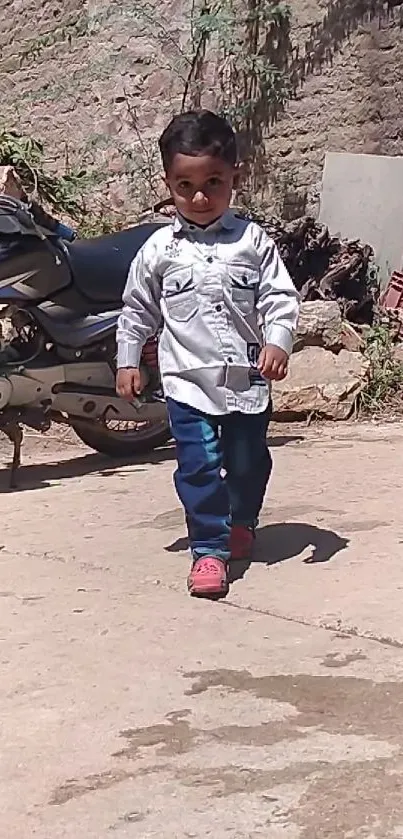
{"x":14,"y":433}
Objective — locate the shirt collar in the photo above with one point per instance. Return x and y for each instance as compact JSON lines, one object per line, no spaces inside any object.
{"x":226,"y":222}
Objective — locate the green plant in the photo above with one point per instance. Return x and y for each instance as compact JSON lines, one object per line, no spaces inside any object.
{"x":98,"y":222}
{"x":62,"y":193}
{"x":253,"y":50}
{"x":384,"y":389}
{"x":239,"y":55}
{"x":142,"y":163}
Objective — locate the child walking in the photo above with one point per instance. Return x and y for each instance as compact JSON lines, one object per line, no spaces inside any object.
{"x":228,"y":308}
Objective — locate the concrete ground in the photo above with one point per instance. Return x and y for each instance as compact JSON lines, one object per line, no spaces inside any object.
{"x":129,"y":710}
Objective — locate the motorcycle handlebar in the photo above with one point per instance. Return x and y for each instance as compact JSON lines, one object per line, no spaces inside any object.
{"x":48,"y":222}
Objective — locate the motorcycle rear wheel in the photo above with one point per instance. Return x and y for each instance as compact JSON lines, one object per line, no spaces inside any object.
{"x":135,"y":439}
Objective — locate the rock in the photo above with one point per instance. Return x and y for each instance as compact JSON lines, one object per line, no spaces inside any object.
{"x":116,"y":195}
{"x":351,"y":339}
{"x":10,"y":183}
{"x":320,"y":325}
{"x":398,"y":353}
{"x":321,"y":383}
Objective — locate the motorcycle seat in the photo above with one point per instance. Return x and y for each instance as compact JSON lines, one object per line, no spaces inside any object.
{"x":100,"y":266}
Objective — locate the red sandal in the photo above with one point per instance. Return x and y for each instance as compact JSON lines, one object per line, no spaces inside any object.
{"x":208,"y":577}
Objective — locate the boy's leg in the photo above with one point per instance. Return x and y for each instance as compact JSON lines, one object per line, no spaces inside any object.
{"x":203,"y":494}
{"x":248,"y":464}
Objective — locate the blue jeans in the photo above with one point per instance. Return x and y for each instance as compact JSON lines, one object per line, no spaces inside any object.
{"x":205,"y":445}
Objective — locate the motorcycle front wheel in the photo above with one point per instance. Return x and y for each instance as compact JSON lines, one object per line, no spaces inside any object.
{"x":123,"y":439}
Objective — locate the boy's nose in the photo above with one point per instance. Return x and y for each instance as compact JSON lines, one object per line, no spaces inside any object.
{"x":199,"y":198}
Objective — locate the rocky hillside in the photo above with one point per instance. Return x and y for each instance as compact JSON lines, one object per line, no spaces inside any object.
{"x":96,"y":80}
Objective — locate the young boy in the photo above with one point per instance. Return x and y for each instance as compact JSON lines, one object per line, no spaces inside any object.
{"x":228,"y":309}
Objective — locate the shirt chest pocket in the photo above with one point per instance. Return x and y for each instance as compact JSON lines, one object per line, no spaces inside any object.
{"x":244,"y":287}
{"x":178,"y":293}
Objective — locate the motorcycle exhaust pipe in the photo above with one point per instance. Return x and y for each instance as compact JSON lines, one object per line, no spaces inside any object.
{"x":102,"y":403}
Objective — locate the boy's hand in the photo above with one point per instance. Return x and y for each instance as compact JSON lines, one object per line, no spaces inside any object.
{"x":273,"y":363}
{"x":128,"y":383}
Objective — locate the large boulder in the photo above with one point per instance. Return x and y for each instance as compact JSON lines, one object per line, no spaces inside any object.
{"x":10,"y":183}
{"x":320,"y":383}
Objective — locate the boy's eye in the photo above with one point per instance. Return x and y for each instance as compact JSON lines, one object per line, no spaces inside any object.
{"x":213,"y":182}
{"x":184,"y":185}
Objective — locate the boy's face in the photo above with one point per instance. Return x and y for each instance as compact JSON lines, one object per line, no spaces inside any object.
{"x":201,"y":187}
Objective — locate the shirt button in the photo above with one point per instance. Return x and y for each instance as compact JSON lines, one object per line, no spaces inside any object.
{"x":230,"y":359}
{"x":218,"y":308}
{"x":210,"y":259}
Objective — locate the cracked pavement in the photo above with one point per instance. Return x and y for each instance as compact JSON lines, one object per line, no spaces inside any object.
{"x":129,"y":710}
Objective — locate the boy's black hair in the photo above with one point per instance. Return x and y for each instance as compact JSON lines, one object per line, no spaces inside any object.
{"x":195,"y":133}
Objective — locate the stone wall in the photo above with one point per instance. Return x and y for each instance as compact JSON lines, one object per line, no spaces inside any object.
{"x":352,"y":103}
{"x":81,"y":76}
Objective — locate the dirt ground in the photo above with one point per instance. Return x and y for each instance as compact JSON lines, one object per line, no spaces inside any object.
{"x":129,"y":710}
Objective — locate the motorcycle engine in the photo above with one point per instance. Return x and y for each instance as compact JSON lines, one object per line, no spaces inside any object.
{"x":21,"y":337}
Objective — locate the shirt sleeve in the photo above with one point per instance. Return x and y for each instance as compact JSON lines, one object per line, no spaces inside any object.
{"x":278,"y":300}
{"x":140,"y":317}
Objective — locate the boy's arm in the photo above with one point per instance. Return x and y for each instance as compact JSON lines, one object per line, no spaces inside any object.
{"x":141,"y":315}
{"x":278,"y":300}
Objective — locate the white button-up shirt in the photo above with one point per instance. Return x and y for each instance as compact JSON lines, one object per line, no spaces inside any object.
{"x":219,"y":294}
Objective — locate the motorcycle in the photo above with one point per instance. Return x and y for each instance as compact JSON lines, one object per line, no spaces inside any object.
{"x":63,"y":296}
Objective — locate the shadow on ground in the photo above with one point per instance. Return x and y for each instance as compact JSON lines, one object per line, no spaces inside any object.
{"x":40,"y":475}
{"x":280,"y":542}
{"x":286,"y":540}
{"x":281,"y":440}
